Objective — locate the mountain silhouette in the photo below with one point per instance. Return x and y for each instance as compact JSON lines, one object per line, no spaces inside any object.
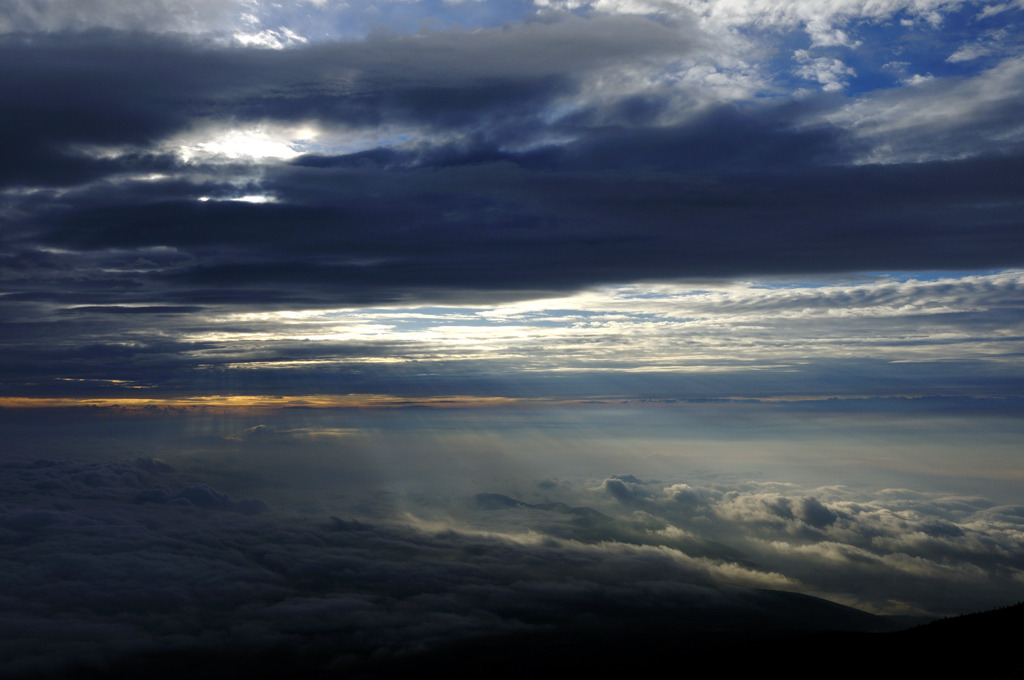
{"x":979,"y":644}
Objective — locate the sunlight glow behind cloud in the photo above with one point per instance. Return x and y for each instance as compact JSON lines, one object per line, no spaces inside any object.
{"x":670,"y":327}
{"x":262,"y":142}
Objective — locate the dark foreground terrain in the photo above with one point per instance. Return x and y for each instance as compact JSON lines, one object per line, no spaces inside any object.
{"x":794,"y":639}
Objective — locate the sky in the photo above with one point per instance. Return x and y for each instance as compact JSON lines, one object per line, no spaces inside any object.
{"x":285,"y":286}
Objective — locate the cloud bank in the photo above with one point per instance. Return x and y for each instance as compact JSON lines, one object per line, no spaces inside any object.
{"x":193,"y":570}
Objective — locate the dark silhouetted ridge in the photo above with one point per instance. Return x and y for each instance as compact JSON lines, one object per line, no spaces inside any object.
{"x":981,"y":645}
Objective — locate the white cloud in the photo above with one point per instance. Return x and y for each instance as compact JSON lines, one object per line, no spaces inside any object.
{"x":988,"y":43}
{"x":999,"y":8}
{"x":868,"y":548}
{"x":670,"y":327}
{"x":270,"y":39}
{"x":823,"y":21}
{"x":266,"y":142}
{"x":918,"y":79}
{"x":969,"y":52}
{"x":823,"y":35}
{"x":247,"y":198}
{"x":829,"y":72}
{"x":172,"y":16}
{"x":945,"y":118}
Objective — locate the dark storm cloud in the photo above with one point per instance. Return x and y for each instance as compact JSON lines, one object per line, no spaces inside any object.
{"x":107,"y":88}
{"x":507,"y":163}
{"x":485,"y":200}
{"x":696,"y":202}
{"x":403,"y":235}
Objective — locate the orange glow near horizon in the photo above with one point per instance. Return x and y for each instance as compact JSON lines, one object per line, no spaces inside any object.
{"x":248,"y":403}
{"x":255,"y":403}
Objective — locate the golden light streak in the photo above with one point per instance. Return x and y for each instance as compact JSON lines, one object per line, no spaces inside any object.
{"x":248,"y":403}
{"x":243,"y":403}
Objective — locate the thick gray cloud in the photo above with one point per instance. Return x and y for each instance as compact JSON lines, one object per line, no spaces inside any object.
{"x":120,"y":576}
{"x":128,"y":570}
{"x":455,"y":166}
{"x":132,"y":89}
{"x":543,"y":179}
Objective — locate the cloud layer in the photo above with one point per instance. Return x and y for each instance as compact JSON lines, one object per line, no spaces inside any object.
{"x":127,"y":575}
{"x":161,"y":187}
